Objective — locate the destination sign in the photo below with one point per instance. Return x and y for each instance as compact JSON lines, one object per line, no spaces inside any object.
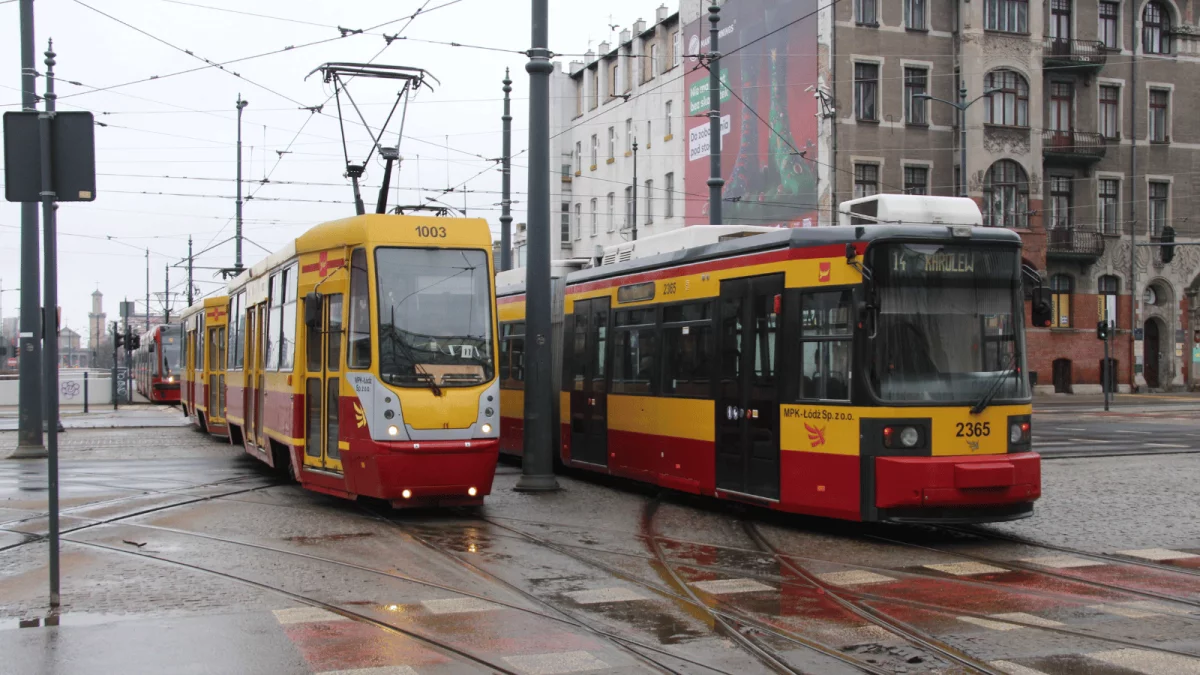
{"x":907,"y":261}
{"x":923,"y":263}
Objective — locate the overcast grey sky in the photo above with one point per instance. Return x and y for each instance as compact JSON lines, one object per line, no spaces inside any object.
{"x":184,"y":126}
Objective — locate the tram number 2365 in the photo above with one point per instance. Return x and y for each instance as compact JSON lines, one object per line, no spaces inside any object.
{"x":431,"y":232}
{"x":973,"y":429}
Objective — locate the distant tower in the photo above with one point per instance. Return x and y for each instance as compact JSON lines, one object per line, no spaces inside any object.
{"x":96,"y":321}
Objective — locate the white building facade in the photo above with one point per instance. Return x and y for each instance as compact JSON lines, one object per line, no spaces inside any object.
{"x":599,"y":107}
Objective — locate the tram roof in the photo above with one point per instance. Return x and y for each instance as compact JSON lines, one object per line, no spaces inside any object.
{"x":200,"y":305}
{"x":796,"y":238}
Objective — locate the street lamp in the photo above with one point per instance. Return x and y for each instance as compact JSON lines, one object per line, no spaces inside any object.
{"x":961,"y":106}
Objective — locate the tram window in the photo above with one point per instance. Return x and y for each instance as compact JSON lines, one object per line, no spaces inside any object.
{"x":287,"y":323}
{"x":634,"y":361}
{"x":635,"y":317}
{"x":512,"y":355}
{"x":333,"y":351}
{"x":580,"y":358}
{"x":313,"y":347}
{"x":687,"y":360}
{"x":360,"y":311}
{"x":237,"y":319}
{"x":825,"y":347}
{"x":274,"y":318}
{"x":697,"y":311}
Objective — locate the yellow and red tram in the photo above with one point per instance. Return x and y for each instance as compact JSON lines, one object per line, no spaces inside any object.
{"x":869,"y":373}
{"x":156,"y":366}
{"x":361,"y":359}
{"x":205,"y":326}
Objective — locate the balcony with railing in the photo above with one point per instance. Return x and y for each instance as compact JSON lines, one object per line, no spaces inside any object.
{"x":1081,"y":243}
{"x":1073,"y":146}
{"x":1075,"y":54}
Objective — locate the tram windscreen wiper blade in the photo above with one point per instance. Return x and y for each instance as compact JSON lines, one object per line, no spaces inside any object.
{"x":992,"y":390}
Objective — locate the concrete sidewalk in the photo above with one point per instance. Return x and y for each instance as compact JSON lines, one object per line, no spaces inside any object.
{"x":127,"y":417}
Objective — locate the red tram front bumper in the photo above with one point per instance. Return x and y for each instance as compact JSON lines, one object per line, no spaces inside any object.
{"x":957,"y":488}
{"x":433,"y":472}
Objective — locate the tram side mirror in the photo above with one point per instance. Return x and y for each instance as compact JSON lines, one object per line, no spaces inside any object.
{"x":1042,"y":311}
{"x":312,"y":310}
{"x":851,"y":254}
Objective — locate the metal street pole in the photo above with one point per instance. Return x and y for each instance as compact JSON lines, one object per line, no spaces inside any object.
{"x":50,"y":351}
{"x":506,"y":182}
{"x":147,"y":290}
{"x":29,"y":424}
{"x":241,"y":105}
{"x":962,"y":127}
{"x":1109,"y":376}
{"x":190,"y":270}
{"x":537,"y":467}
{"x":167,"y":295}
{"x":634,"y":209}
{"x":716,"y":184}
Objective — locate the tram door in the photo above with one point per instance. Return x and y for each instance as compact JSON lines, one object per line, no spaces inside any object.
{"x":589,"y":390}
{"x":322,"y":392}
{"x":747,"y":396}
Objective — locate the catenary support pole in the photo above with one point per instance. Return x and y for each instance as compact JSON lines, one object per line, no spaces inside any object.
{"x":633,"y":209}
{"x":241,"y":105}
{"x":716,"y":184}
{"x":29,"y":415}
{"x":506,"y":180}
{"x":50,"y":353}
{"x":167,"y":295}
{"x":189,"y":288}
{"x":537,"y":469}
{"x":962,"y":149}
{"x":147,"y":290}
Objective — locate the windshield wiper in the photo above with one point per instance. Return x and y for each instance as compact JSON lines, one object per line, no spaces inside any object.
{"x":421,"y":374}
{"x":995,"y":388}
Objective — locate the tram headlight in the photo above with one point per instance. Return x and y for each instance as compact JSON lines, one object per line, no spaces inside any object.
{"x":909,"y":437}
{"x":1015,"y":434}
{"x":487,"y":428}
{"x":393,"y":430}
{"x":901,"y":437}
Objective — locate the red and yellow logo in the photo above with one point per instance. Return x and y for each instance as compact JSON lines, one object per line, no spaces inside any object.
{"x":323,"y":265}
{"x":825,"y":273}
{"x":815,"y":436}
{"x":216,"y":313}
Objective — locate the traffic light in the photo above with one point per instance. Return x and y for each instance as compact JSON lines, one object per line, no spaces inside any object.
{"x":1168,"y":244}
{"x":1043,"y":309}
{"x":1102,"y":330}
{"x":120,"y":340}
{"x":135,"y":341}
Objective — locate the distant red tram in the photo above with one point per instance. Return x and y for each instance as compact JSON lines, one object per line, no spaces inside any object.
{"x":156,"y":366}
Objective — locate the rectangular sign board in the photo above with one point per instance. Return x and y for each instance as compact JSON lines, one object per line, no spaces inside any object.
{"x":73,"y":157}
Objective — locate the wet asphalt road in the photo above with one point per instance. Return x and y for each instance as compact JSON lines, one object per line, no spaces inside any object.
{"x":182,"y":555}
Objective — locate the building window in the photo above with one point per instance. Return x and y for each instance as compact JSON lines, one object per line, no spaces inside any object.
{"x":866,"y":89}
{"x":612,"y":80}
{"x":914,"y":14}
{"x":667,"y":108}
{"x":649,"y":202}
{"x":1006,"y":195}
{"x":1109,"y":31}
{"x":1110,"y":107}
{"x":612,"y":208}
{"x":655,"y":64}
{"x":1160,"y":197}
{"x":1108,"y":287}
{"x":866,"y":12}
{"x":1061,"y":287}
{"x":565,"y":224}
{"x":578,"y":157}
{"x":628,"y":70}
{"x":916,"y":81}
{"x":579,"y":96}
{"x":1060,"y":203}
{"x":649,"y":133}
{"x":628,"y":208}
{"x":866,"y":180}
{"x":578,"y":222}
{"x":677,"y":42}
{"x":595,"y":225}
{"x":1156,"y":29}
{"x":670,"y":211}
{"x":916,"y":180}
{"x":612,"y":142}
{"x":1009,"y":16}
{"x":628,"y":136}
{"x":595,"y":150}
{"x":1110,"y":203}
{"x":595,"y":101}
{"x":1160,"y":100}
{"x":1010,"y":105}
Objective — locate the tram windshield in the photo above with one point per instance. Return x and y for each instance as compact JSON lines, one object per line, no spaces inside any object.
{"x":170,"y":353}
{"x":949,"y":324}
{"x":435,"y":317}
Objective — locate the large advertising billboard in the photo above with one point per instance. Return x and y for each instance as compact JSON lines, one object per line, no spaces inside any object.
{"x":768,"y":163}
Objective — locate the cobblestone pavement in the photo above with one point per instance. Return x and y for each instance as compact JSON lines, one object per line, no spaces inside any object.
{"x":180,"y":554}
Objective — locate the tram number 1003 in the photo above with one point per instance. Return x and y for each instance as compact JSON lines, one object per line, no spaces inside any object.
{"x":431,"y":232}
